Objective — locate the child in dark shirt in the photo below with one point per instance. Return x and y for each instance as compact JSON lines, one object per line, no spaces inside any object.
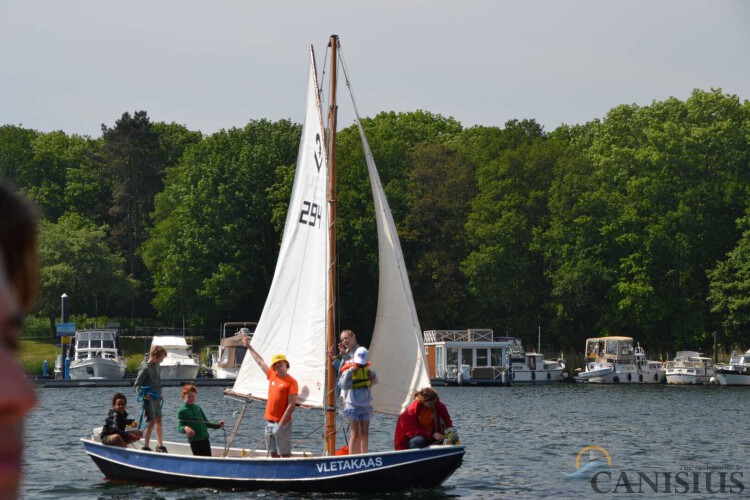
{"x":115,"y":431}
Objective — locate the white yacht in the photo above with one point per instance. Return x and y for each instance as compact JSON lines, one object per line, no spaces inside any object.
{"x":737,"y":372}
{"x":689,"y":368}
{"x":225,"y":361}
{"x":180,"y":362}
{"x":530,"y":367}
{"x":96,"y":356}
{"x":614,"y":360}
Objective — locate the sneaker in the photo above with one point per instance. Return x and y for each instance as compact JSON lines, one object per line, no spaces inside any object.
{"x":146,"y":448}
{"x":161,"y":449}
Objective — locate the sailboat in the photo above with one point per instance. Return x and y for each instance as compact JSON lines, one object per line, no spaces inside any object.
{"x":298,"y":319}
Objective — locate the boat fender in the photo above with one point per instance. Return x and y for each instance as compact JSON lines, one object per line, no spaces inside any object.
{"x":549,"y":376}
{"x":656,"y":377}
{"x":640,"y":378}
{"x":533,"y":375}
{"x":616,"y":379}
{"x":630,"y":377}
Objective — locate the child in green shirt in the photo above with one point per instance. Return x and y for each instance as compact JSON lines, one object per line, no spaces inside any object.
{"x":193,"y":422}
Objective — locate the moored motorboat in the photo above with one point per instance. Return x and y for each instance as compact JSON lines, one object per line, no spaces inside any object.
{"x":689,"y":368}
{"x":96,"y":355}
{"x":530,"y":367}
{"x":627,"y":363}
{"x":596,"y":370}
{"x":737,"y":372}
{"x":225,"y":361}
{"x":180,"y":362}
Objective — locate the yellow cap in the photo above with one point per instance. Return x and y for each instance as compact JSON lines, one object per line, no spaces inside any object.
{"x":279,"y":357}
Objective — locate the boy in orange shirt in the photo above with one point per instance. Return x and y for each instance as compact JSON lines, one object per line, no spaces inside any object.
{"x":282,"y":398}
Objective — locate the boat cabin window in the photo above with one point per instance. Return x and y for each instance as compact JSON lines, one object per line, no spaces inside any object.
{"x":452,"y":356}
{"x":496,"y":356}
{"x":612,"y":347}
{"x":482,"y":357}
{"x":108,"y":344}
{"x":592,"y":349}
{"x":466,"y":357}
{"x":626,"y":348}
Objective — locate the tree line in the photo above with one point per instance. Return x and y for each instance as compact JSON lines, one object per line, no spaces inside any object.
{"x":636,"y":224}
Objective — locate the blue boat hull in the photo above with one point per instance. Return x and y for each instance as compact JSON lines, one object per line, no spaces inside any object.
{"x":372,"y":472}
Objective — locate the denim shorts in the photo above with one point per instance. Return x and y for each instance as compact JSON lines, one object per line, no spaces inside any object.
{"x":362,"y":413}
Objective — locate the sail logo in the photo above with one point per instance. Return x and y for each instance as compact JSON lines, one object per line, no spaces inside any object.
{"x":351,"y":464}
{"x":318,"y":152}
{"x":594,"y":459}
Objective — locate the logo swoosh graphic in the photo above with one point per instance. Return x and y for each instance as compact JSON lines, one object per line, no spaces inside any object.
{"x":588,"y":469}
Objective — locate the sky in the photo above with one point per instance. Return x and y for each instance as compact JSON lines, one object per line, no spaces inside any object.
{"x":74,"y":65}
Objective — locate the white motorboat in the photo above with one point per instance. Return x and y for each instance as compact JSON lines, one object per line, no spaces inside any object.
{"x":530,"y":367}
{"x":737,"y":372}
{"x":180,"y":362}
{"x":225,"y":361}
{"x":596,"y":370}
{"x":689,"y":368}
{"x":96,"y":356}
{"x":628,"y":364}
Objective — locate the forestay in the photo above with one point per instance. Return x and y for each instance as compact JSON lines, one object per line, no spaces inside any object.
{"x":293,"y":317}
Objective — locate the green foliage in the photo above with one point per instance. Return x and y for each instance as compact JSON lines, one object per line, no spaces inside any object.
{"x":441,"y":186}
{"x":213,"y":245}
{"x":76,"y":260}
{"x":668,"y":182}
{"x":16,"y":153}
{"x":635,"y":224}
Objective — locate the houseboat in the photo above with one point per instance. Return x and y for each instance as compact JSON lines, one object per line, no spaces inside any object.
{"x":468,"y":357}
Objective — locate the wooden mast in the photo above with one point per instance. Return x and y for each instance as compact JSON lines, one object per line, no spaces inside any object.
{"x":330,"y":440}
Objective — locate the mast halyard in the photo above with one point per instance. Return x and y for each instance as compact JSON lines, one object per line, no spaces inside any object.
{"x":331,"y":303}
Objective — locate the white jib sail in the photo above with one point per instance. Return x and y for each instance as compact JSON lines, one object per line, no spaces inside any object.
{"x":397,"y":349}
{"x":293,"y":321}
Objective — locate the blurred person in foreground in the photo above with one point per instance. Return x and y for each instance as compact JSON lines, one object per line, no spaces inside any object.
{"x":18,"y":290}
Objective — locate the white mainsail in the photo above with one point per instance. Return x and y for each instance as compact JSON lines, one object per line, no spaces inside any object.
{"x":397,"y":349}
{"x":293,"y":321}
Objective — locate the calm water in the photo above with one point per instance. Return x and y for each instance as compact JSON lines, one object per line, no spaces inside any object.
{"x":520,"y":440}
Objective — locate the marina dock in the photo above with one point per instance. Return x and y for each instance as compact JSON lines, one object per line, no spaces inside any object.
{"x":128,"y":382}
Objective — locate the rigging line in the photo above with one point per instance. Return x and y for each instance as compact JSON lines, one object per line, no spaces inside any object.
{"x":348,"y":84}
{"x":368,"y":156}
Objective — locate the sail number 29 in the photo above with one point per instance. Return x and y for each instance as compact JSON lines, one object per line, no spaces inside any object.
{"x":310,"y":213}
